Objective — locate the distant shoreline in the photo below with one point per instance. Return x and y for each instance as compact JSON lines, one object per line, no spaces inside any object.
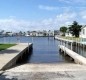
{"x":40,"y":36}
{"x":27,"y":36}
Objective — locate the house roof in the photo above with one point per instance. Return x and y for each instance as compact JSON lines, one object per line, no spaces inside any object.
{"x":83,"y":26}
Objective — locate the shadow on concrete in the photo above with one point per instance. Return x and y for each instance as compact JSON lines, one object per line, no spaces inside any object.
{"x":24,"y":59}
{"x":8,"y":51}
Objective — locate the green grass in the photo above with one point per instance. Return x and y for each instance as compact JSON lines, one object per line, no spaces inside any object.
{"x":72,"y":38}
{"x":5,"y":46}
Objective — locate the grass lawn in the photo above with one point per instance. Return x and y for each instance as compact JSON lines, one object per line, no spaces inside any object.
{"x":5,"y":46}
{"x":72,"y":38}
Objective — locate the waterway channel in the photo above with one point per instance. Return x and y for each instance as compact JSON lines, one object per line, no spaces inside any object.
{"x":45,"y":49}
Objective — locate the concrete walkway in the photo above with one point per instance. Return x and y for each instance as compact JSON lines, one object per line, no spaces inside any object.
{"x":10,"y":53}
{"x":60,"y":71}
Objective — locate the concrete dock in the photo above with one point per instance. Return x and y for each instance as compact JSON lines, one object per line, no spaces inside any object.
{"x":77,"y":58}
{"x":9,"y":57}
{"x":73,"y":42}
{"x":68,"y":51}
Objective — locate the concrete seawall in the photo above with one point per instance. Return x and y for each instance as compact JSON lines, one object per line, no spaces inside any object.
{"x":74,"y":43}
{"x":9,"y":57}
{"x":64,"y":40}
{"x":77,"y":58}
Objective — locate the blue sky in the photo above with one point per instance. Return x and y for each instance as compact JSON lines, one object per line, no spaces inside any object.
{"x":25,"y":15}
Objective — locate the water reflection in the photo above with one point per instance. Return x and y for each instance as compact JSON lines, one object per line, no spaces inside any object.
{"x":45,"y":49}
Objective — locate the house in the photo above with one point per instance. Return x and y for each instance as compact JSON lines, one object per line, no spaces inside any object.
{"x":27,"y":33}
{"x":45,"y":33}
{"x":68,"y":33}
{"x":57,"y":32}
{"x":83,"y":32}
{"x":33,"y":33}
{"x":40,"y":33}
{"x":8,"y":34}
{"x":2,"y":33}
{"x":51,"y":33}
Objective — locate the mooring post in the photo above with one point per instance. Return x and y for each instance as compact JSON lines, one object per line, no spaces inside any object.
{"x":71,"y":45}
{"x":67,"y":44}
{"x":61,"y":42}
{"x":64,"y":47}
{"x":28,"y":47}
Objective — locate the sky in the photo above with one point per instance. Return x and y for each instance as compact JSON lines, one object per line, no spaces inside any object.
{"x":25,"y":15}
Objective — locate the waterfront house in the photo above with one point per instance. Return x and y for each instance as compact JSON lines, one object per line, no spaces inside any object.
{"x":51,"y":33}
{"x":83,"y":32}
{"x":57,"y":32}
{"x":33,"y":33}
{"x":40,"y":33}
{"x":68,"y":33}
{"x":45,"y":33}
{"x":27,"y":33}
{"x":2,"y":33}
{"x":8,"y":34}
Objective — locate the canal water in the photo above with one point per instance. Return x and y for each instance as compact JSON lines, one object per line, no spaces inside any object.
{"x":45,"y":49}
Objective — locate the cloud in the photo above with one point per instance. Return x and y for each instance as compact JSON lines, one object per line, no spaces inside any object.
{"x":73,"y":1}
{"x":66,"y":16}
{"x":61,"y":19}
{"x":24,"y":25}
{"x":46,"y":24}
{"x":66,"y":1}
{"x":50,"y":8}
{"x":13,"y":24}
{"x":83,"y":14}
{"x":84,"y":17}
{"x":54,"y":8}
{"x":65,"y":19}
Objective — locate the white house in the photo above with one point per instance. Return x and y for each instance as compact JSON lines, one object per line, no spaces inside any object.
{"x":9,"y":34}
{"x":83,"y":32}
{"x":68,"y":34}
{"x":51,"y":33}
{"x":57,"y":32}
{"x":2,"y":33}
{"x":39,"y":33}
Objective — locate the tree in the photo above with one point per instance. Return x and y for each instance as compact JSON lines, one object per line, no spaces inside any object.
{"x":75,"y":29}
{"x":63,"y":30}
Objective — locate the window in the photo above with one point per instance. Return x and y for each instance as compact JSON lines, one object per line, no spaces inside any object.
{"x":84,"y":31}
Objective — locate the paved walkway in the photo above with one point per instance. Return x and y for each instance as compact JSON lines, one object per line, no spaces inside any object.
{"x":60,"y":71}
{"x":10,"y":53}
